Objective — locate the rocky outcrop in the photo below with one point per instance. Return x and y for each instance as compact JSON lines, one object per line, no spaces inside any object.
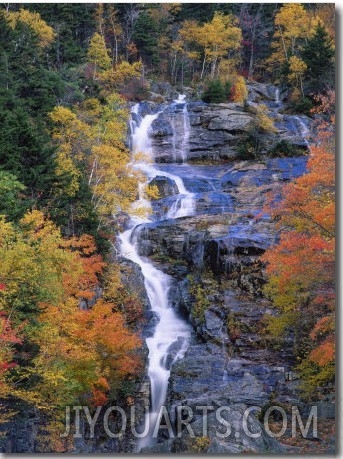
{"x":215,"y":260}
{"x":165,"y":185}
{"x":259,"y":92}
{"x":216,"y":132}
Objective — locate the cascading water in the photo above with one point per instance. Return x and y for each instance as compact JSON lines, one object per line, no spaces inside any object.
{"x":179,"y":119}
{"x":140,"y":143}
{"x":171,"y":330}
{"x":304,"y":130}
{"x":186,"y":131}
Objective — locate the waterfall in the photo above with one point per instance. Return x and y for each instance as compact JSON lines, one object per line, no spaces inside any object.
{"x":303,"y":129}
{"x":277,"y":95}
{"x":181,"y":128}
{"x":170,"y":329}
{"x":172,"y":333}
{"x":184,"y":205}
{"x":140,"y":140}
{"x":186,"y":129}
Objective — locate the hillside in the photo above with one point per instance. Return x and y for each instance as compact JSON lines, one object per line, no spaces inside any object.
{"x":167,"y":227}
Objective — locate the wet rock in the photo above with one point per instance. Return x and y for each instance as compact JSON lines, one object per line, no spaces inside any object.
{"x":230,"y":121}
{"x":259,"y":92}
{"x":165,"y":185}
{"x":161,"y":127}
{"x":122,"y":220}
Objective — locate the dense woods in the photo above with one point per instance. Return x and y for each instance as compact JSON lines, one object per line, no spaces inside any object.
{"x":69,"y":329}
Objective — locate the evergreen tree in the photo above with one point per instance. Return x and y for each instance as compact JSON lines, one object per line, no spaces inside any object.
{"x":145,"y":36}
{"x":98,"y":54}
{"x":74,"y":25}
{"x":216,"y":92}
{"x":318,"y":55}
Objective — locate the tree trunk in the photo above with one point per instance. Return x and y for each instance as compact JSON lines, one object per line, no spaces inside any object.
{"x":203,"y":67}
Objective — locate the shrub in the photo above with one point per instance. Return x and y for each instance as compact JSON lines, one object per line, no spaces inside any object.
{"x":302,"y":106}
{"x":284,"y":148}
{"x":216,"y":92}
{"x":239,"y":91}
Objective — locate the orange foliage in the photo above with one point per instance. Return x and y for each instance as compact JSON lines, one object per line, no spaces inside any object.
{"x":301,"y":267}
{"x":324,"y":353}
{"x":8,"y":337}
{"x":92,"y":266}
{"x":84,"y":351}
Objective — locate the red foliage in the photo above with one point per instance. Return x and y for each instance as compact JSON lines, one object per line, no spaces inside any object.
{"x":302,"y":265}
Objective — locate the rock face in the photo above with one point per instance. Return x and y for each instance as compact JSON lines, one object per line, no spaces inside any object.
{"x":214,"y":255}
{"x":231,"y":367}
{"x":216,"y":132}
{"x":230,"y":363}
{"x":259,"y":92}
{"x":165,"y":185}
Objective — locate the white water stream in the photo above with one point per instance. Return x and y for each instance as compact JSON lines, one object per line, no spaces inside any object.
{"x":170,"y":329}
{"x":303,"y":129}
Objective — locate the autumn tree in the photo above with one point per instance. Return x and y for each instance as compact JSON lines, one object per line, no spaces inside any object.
{"x":297,"y":69}
{"x":83,"y":353}
{"x":300,"y":268}
{"x":98,"y":55}
{"x":33,"y":20}
{"x":293,"y":26}
{"x":94,"y":137}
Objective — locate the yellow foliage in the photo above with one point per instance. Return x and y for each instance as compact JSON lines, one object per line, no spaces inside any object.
{"x":240,"y":93}
{"x":96,"y":134}
{"x":98,"y":55}
{"x":65,"y":167}
{"x":114,"y":183}
{"x":44,"y":32}
{"x":152,"y":192}
{"x":262,"y":121}
{"x":112,"y":79}
{"x":217,"y":37}
{"x":297,"y":69}
{"x":293,"y":22}
{"x":227,"y":70}
{"x":295,"y":95}
{"x":296,"y":65}
{"x":293,"y":25}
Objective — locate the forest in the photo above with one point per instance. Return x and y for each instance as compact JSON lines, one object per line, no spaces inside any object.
{"x":70,"y":325}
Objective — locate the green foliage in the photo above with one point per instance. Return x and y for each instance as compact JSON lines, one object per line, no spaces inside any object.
{"x":302,"y":105}
{"x":145,"y":36}
{"x":315,"y":377}
{"x":199,"y":292}
{"x":74,"y":24}
{"x":11,"y":189}
{"x":318,"y":54}
{"x":249,"y":147}
{"x":216,"y":92}
{"x":284,"y":149}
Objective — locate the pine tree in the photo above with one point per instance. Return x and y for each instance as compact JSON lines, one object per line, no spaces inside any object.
{"x":98,"y":54}
{"x":215,"y":92}
{"x":145,"y":36}
{"x":318,"y":55}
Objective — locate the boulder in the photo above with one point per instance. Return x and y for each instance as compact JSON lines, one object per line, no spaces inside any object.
{"x":166,"y":186}
{"x":161,"y":127}
{"x":258,"y":92}
{"x":230,"y":122}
